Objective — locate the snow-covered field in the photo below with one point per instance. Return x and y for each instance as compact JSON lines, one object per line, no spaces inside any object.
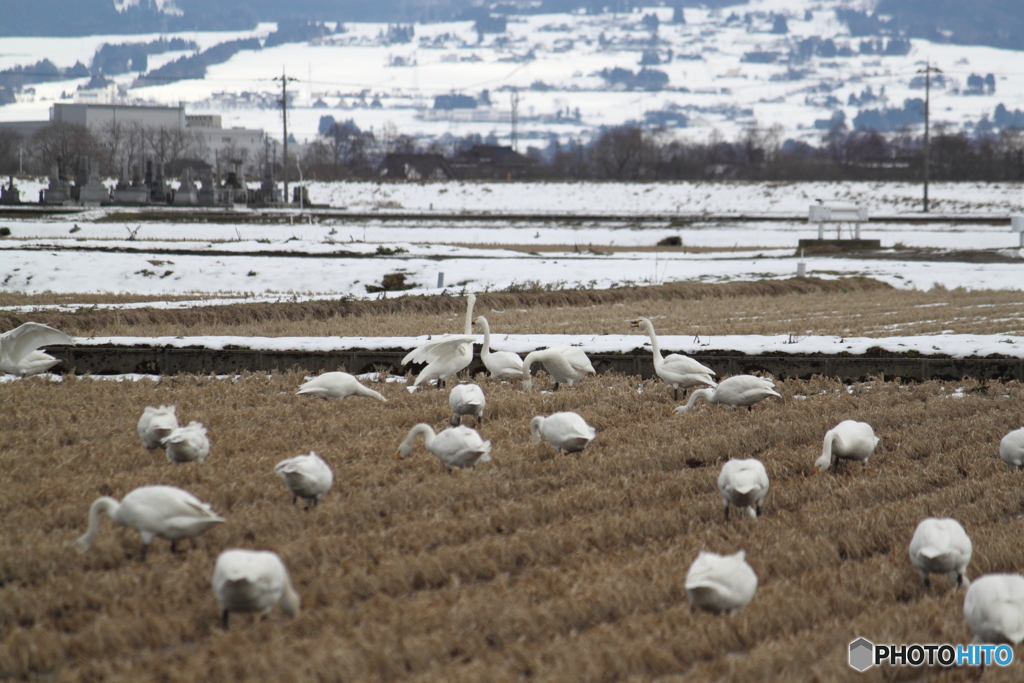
{"x":553,"y":61}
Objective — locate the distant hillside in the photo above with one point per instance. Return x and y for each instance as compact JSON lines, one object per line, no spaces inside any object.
{"x":91,"y":17}
{"x":997,"y":23}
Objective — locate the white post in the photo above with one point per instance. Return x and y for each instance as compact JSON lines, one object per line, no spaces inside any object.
{"x":440,"y":280}
{"x":858,"y":230}
{"x":821,"y":231}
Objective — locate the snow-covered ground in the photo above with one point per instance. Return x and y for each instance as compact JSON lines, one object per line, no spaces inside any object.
{"x":553,"y":60}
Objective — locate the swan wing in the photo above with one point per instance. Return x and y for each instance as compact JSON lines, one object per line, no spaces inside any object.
{"x":20,"y":342}
{"x":440,"y":347}
{"x":578,"y":360}
{"x":504,"y":365}
{"x":684,"y":365}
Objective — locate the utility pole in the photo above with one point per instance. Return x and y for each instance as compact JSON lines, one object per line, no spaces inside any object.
{"x":284,"y":118}
{"x":515,"y":119}
{"x":928,"y":70}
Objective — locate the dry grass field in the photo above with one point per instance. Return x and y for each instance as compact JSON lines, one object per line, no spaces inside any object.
{"x":845,"y":307}
{"x":532,"y":567}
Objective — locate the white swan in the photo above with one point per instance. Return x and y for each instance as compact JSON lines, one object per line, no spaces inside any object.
{"x":501,"y":364}
{"x":252,"y":581}
{"x":155,"y":424}
{"x":994,"y":608}
{"x":336,"y":385}
{"x":19,"y":354}
{"x":307,"y":477}
{"x":738,"y":390}
{"x":677,"y":370}
{"x":455,"y":447}
{"x":743,"y":483}
{"x":1011,"y":449}
{"x":445,"y":355}
{"x":187,"y":443}
{"x":164,"y":511}
{"x":849,"y":440}
{"x":721,"y":583}
{"x":941,"y":546}
{"x":565,"y":364}
{"x":466,"y":399}
{"x":565,"y":431}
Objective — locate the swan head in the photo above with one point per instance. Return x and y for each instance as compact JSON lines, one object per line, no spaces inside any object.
{"x":823,"y":462}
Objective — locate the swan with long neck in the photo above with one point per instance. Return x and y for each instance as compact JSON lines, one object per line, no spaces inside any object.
{"x":467,"y":399}
{"x":252,"y":581}
{"x":565,"y":364}
{"x":677,"y":370}
{"x":736,"y":391}
{"x":156,"y":424}
{"x":337,"y":385}
{"x":446,"y":355}
{"x":743,"y":483}
{"x":994,"y":608}
{"x":501,"y":364}
{"x":19,"y":349}
{"x":307,"y":477}
{"x":455,"y":446}
{"x":165,"y":511}
{"x":848,"y":440}
{"x":941,"y":546}
{"x":566,"y":431}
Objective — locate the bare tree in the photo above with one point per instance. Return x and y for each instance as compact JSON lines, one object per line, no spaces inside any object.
{"x":68,"y":142}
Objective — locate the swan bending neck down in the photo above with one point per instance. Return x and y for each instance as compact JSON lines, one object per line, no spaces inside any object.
{"x":165,"y":511}
{"x":941,"y":546}
{"x":253,"y":581}
{"x":736,"y":391}
{"x":848,"y":440}
{"x":565,"y":364}
{"x":743,"y":483}
{"x":337,"y":385}
{"x":720,"y":583}
{"x":307,"y":477}
{"x":566,"y":431}
{"x":455,"y":446}
{"x":501,"y":364}
{"x":677,"y":370}
{"x":994,"y":608}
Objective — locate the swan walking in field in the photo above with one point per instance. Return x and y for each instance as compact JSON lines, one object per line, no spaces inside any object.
{"x":565,"y":364}
{"x":994,"y":608}
{"x":677,"y":370}
{"x":164,"y":511}
{"x":501,"y":364}
{"x":848,"y":440}
{"x":565,"y":431}
{"x":466,"y":399}
{"x":187,"y":444}
{"x":941,"y":546}
{"x":1011,"y":449}
{"x":455,"y":446}
{"x":252,"y":581}
{"x":19,"y":349}
{"x":307,"y":477}
{"x":156,"y":424}
{"x":721,"y":583}
{"x":446,"y":355}
{"x":735,"y":391}
{"x":336,"y":385}
{"x":743,"y":483}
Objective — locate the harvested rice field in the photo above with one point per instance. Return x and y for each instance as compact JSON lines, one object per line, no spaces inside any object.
{"x":534,"y":566}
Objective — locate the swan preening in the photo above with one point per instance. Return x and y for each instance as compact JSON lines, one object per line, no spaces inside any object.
{"x":565,"y":364}
{"x":743,"y":483}
{"x":455,"y":446}
{"x":565,"y":431}
{"x":19,"y":349}
{"x":252,"y":581}
{"x":678,"y":371}
{"x":1011,"y":449}
{"x":336,"y":385}
{"x":848,"y":440}
{"x":721,"y":583}
{"x":739,"y":390}
{"x":307,"y":477}
{"x":994,"y":608}
{"x":941,"y":546}
{"x":447,"y":354}
{"x":466,"y":399}
{"x":164,"y":511}
{"x":155,"y":424}
{"x":501,"y":364}
{"x":187,"y":444}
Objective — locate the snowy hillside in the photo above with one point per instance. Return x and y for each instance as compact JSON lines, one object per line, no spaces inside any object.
{"x":727,"y":69}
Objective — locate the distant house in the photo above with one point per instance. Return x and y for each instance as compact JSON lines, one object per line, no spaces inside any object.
{"x":491,"y":162}
{"x":416,"y":167}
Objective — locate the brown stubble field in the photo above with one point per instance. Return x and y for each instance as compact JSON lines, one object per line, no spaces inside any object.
{"x":531,"y":567}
